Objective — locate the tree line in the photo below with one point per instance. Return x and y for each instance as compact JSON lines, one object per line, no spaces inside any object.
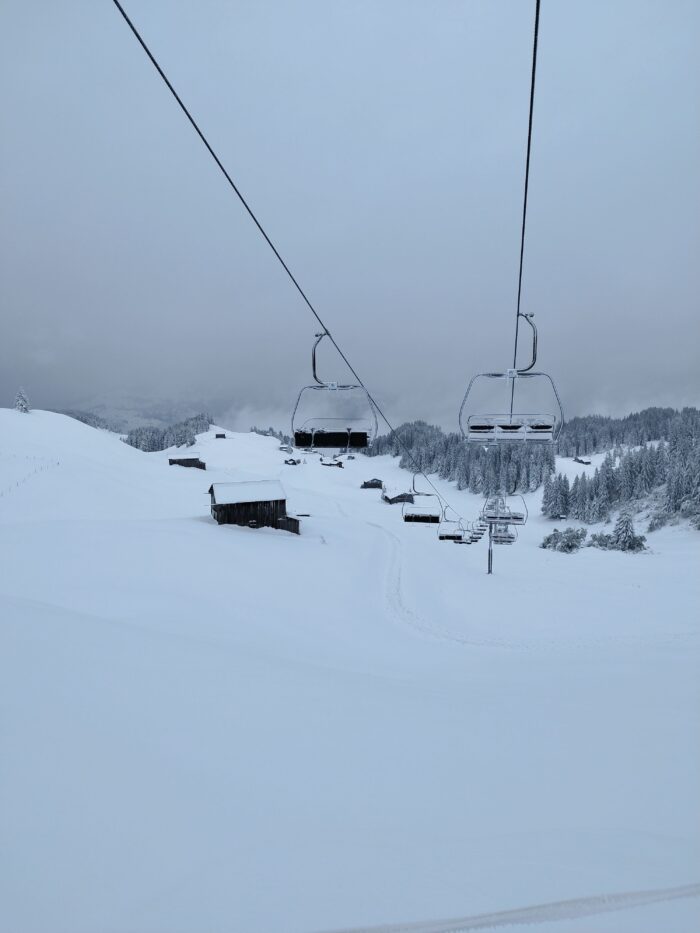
{"x":669,"y":469}
{"x":181,"y":434}
{"x":666,"y":463}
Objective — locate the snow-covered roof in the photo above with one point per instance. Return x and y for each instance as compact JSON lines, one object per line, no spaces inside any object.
{"x":262,"y":490}
{"x":394,"y":489}
{"x":186,"y":453}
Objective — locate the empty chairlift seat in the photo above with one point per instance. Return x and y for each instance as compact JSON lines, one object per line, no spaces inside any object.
{"x":425,"y":507}
{"x":337,"y":431}
{"x":424,"y":513}
{"x":450,"y":531}
{"x":506,"y":510}
{"x":511,"y":425}
{"x":502,"y":534}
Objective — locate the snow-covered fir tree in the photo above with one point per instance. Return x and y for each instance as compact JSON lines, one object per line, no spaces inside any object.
{"x":623,"y":537}
{"x":21,"y":401}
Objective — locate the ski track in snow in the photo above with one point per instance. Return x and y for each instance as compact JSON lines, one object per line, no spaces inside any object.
{"x":397,"y":604}
{"x":395,"y":599}
{"x":41,"y":465}
{"x":540,"y":913}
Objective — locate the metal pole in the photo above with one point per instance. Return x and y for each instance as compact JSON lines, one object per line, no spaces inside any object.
{"x":490,"y":570}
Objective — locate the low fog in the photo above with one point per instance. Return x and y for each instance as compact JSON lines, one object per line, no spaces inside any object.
{"x":383,"y":148}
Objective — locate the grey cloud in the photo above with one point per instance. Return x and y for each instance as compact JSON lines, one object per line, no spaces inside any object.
{"x":383,"y":147}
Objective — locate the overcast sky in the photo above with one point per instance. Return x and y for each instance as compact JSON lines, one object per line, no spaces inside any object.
{"x":382,"y":144}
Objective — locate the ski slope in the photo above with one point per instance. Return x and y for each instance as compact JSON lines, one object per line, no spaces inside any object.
{"x":223,"y":729}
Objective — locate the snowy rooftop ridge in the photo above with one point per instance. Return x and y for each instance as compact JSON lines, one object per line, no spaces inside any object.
{"x":262,"y":490}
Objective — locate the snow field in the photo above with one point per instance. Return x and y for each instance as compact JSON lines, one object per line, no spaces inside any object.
{"x":217,"y":728}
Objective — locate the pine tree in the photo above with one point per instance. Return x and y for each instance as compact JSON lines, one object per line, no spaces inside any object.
{"x":623,"y":536}
{"x":21,"y":401}
{"x":561,"y":496}
{"x":648,"y":471}
{"x":548,"y":497}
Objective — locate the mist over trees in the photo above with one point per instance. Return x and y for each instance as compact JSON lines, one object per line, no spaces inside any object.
{"x":89,"y":418}
{"x":592,"y":434}
{"x":182,"y":434}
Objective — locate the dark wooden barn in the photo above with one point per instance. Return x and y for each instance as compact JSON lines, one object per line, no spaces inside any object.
{"x":372,"y":484}
{"x":189,"y":459}
{"x":394,"y":495}
{"x":262,"y":503}
{"x":220,"y":437}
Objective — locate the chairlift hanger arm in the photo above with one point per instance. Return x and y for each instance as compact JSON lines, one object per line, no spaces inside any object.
{"x":529,"y":318}
{"x":321,"y":383}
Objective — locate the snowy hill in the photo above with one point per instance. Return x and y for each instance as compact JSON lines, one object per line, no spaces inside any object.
{"x":217,"y":728}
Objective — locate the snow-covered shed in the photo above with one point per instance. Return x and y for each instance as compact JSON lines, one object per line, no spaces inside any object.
{"x":188,"y":458}
{"x":372,"y":484}
{"x":393,"y":494}
{"x":260,"y":503}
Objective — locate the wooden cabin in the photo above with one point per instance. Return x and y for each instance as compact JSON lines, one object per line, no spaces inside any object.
{"x":220,"y":437}
{"x":258,"y":504}
{"x":372,"y":484}
{"x":189,"y":459}
{"x":394,"y":494}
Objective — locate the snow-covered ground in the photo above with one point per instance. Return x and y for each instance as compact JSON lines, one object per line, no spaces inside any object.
{"x":212,"y":728}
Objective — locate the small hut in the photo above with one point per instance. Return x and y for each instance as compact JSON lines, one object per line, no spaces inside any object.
{"x":188,"y":459}
{"x":372,"y":484}
{"x":262,"y":503}
{"x":220,"y":437}
{"x":394,"y":494}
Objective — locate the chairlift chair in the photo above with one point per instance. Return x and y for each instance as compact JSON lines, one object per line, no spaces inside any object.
{"x":450,"y":529}
{"x":334,"y":433}
{"x":426,"y":508}
{"x":512,"y":426}
{"x":498,"y":509}
{"x":466,"y":538}
{"x":504,"y":534}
